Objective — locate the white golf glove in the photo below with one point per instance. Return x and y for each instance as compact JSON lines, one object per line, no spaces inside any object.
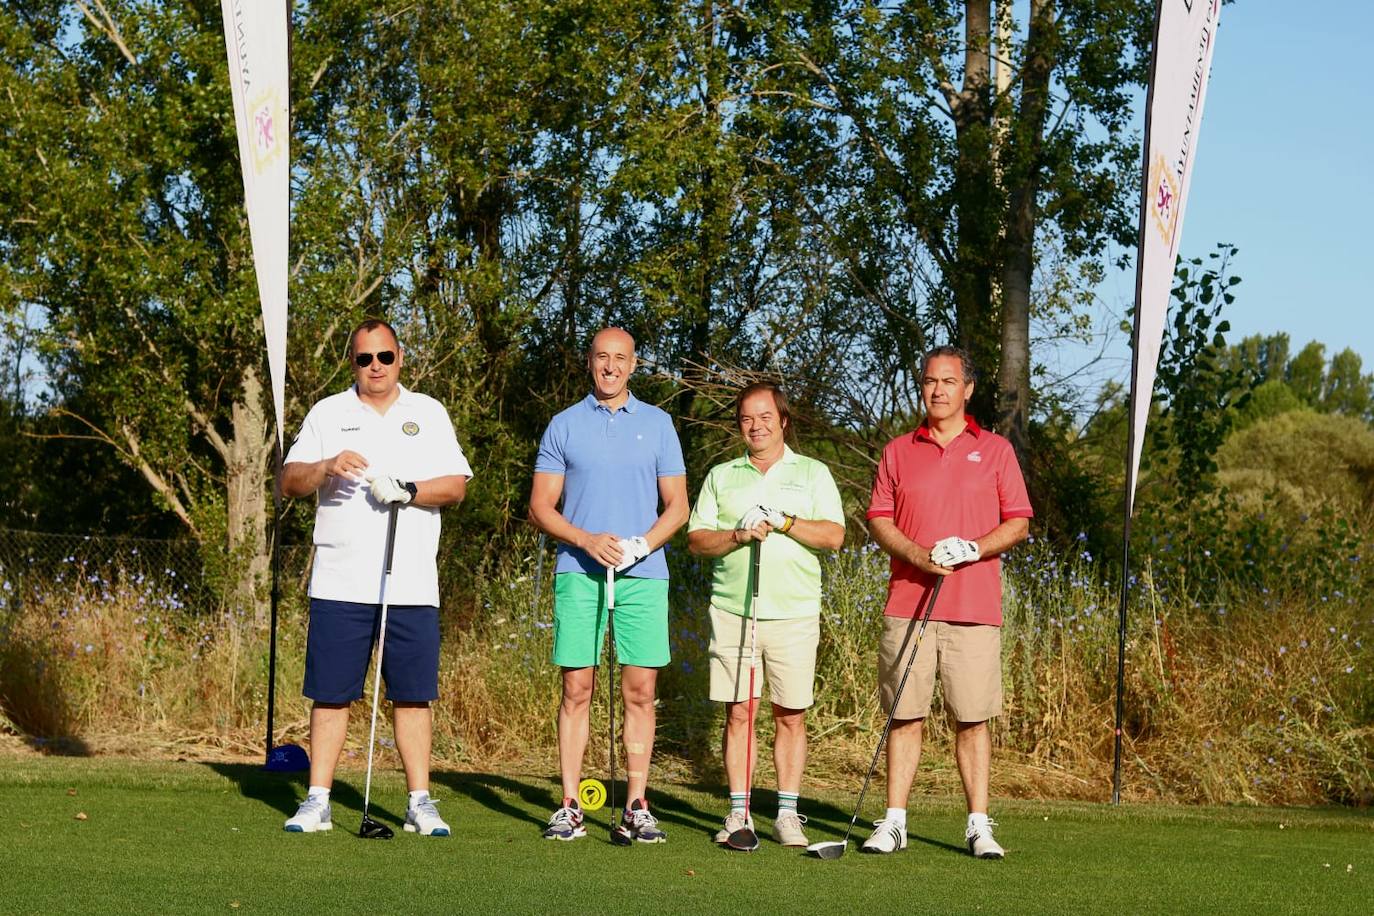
{"x":953,"y":551}
{"x":756,"y":516}
{"x":775,"y":517}
{"x":632,"y":550}
{"x":388,"y":490}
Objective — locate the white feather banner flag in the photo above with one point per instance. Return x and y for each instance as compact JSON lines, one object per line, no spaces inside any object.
{"x":256,"y":38}
{"x":1185,"y":37}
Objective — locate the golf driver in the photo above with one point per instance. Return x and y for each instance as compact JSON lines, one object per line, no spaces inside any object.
{"x":618,"y":836}
{"x":370,"y":829}
{"x":833,"y":849}
{"x":745,"y":839}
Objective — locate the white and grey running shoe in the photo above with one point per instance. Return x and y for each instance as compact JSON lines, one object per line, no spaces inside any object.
{"x":313,"y":815}
{"x":424,"y":819}
{"x":887,"y":836}
{"x":565,"y":824}
{"x":638,"y":824}
{"x":980,"y":842}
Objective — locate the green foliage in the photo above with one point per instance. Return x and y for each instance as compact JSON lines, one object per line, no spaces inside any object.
{"x":1194,"y":383}
{"x":1297,"y":460}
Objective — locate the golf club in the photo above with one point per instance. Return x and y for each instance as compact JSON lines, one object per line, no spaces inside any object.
{"x":370,"y":829}
{"x":833,"y":849}
{"x":618,"y":836}
{"x":745,"y":839}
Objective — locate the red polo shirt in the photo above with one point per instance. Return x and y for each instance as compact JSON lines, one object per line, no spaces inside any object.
{"x":964,"y":489}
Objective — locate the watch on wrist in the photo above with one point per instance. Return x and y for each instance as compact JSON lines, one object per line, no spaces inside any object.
{"x":411,"y":488}
{"x":791,"y":520}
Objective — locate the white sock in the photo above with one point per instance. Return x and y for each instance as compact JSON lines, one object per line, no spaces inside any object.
{"x":417,"y":796}
{"x":977,"y":820}
{"x":319,"y":790}
{"x":896,"y":814}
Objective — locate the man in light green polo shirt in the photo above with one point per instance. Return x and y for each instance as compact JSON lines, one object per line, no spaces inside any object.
{"x":787,"y":504}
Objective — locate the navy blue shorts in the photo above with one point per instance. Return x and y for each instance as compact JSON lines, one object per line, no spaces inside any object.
{"x":338,"y":651}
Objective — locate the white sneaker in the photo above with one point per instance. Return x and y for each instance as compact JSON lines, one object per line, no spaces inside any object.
{"x":980,"y":842}
{"x":424,"y":819}
{"x":887,"y":836}
{"x":313,"y":815}
{"x":735,"y":820}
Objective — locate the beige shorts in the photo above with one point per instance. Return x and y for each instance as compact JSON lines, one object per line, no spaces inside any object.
{"x":969,"y":659}
{"x":786,"y":659}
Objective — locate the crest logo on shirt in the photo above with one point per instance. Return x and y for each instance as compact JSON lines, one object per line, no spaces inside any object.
{"x":975,"y":456}
{"x":410,"y":428}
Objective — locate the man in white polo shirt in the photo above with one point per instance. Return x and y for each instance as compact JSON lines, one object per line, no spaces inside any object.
{"x":362,"y":451}
{"x":788,"y":507}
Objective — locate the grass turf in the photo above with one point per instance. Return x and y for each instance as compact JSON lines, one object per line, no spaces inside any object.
{"x":207,"y":837}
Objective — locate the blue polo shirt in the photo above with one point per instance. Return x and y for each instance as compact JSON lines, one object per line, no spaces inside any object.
{"x":611,"y":463}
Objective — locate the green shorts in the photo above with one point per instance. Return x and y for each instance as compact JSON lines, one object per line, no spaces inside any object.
{"x":579,"y":620}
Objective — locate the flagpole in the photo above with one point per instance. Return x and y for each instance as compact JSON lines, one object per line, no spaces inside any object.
{"x":1129,"y":503}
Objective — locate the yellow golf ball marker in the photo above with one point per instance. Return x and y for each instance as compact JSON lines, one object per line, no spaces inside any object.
{"x":591,"y":794}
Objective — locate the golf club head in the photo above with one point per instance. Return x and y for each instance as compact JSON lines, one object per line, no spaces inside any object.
{"x":742,"y":840}
{"x":620,"y":836}
{"x":287,"y":758}
{"x":372,"y":830}
{"x":830,"y":849}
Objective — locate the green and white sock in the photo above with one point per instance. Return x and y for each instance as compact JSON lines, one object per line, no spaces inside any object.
{"x":738,"y":800}
{"x":787,"y":803}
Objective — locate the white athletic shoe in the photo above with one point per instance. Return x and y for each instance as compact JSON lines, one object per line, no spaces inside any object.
{"x":735,"y":820}
{"x":980,"y":842}
{"x":313,"y":815}
{"x":424,"y":819}
{"x":887,"y":836}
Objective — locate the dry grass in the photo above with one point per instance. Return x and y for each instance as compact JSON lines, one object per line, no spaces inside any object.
{"x":1262,"y":700}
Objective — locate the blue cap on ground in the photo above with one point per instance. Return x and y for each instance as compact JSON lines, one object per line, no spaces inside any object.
{"x":287,"y":758}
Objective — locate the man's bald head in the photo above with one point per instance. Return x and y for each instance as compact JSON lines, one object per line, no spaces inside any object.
{"x":611,"y":360}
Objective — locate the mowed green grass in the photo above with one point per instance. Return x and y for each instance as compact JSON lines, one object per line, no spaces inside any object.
{"x":195,"y":837}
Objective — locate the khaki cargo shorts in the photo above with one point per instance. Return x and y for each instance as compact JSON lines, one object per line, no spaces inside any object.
{"x":968,"y":657}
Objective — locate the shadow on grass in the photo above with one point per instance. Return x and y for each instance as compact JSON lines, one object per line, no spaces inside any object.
{"x":486,"y":789}
{"x":284,"y":791}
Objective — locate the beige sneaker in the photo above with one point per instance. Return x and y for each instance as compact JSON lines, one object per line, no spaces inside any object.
{"x":787,"y":829}
{"x":733,"y":821}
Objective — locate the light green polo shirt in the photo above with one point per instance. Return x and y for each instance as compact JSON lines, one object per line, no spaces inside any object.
{"x":790,"y":573}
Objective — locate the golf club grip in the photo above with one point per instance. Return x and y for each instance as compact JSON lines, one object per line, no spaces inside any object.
{"x":896,"y":699}
{"x":757,"y":550}
{"x":391,"y":537}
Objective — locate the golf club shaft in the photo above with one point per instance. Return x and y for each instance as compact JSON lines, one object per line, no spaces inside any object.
{"x":755,"y":549}
{"x":381,"y":646}
{"x":896,"y":699}
{"x":610,"y":682}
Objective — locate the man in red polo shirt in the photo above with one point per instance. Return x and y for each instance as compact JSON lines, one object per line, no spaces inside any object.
{"x":949,"y":498}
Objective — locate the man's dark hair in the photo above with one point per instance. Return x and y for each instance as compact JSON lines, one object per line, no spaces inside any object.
{"x":779,"y":401}
{"x":370,"y":324}
{"x":959,"y":353}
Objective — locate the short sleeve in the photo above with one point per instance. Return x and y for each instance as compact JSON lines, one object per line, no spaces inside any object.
{"x":706,"y":512}
{"x":826,"y":501}
{"x":452,"y":461}
{"x":1012,"y":499}
{"x":882,"y":503}
{"x":308,"y":447}
{"x":670,"y":463}
{"x":552,"y":458}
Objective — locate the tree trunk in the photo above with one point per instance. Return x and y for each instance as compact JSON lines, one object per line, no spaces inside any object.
{"x":1023,"y":177}
{"x":976,"y":202}
{"x":246,"y":505}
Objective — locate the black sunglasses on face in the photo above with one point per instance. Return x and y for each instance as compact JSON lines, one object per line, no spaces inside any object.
{"x":386,"y":358}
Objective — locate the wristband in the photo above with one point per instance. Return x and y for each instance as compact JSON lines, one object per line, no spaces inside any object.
{"x":791,"y":520}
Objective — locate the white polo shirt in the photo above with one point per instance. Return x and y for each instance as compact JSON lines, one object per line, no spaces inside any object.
{"x":413,"y":440}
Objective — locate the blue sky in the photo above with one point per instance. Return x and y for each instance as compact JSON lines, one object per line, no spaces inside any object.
{"x":1284,"y":170}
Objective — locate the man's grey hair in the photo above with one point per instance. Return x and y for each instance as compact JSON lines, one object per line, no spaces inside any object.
{"x":959,"y":353}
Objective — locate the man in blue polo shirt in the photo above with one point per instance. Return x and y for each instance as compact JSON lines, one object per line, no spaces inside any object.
{"x":616,"y":464}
